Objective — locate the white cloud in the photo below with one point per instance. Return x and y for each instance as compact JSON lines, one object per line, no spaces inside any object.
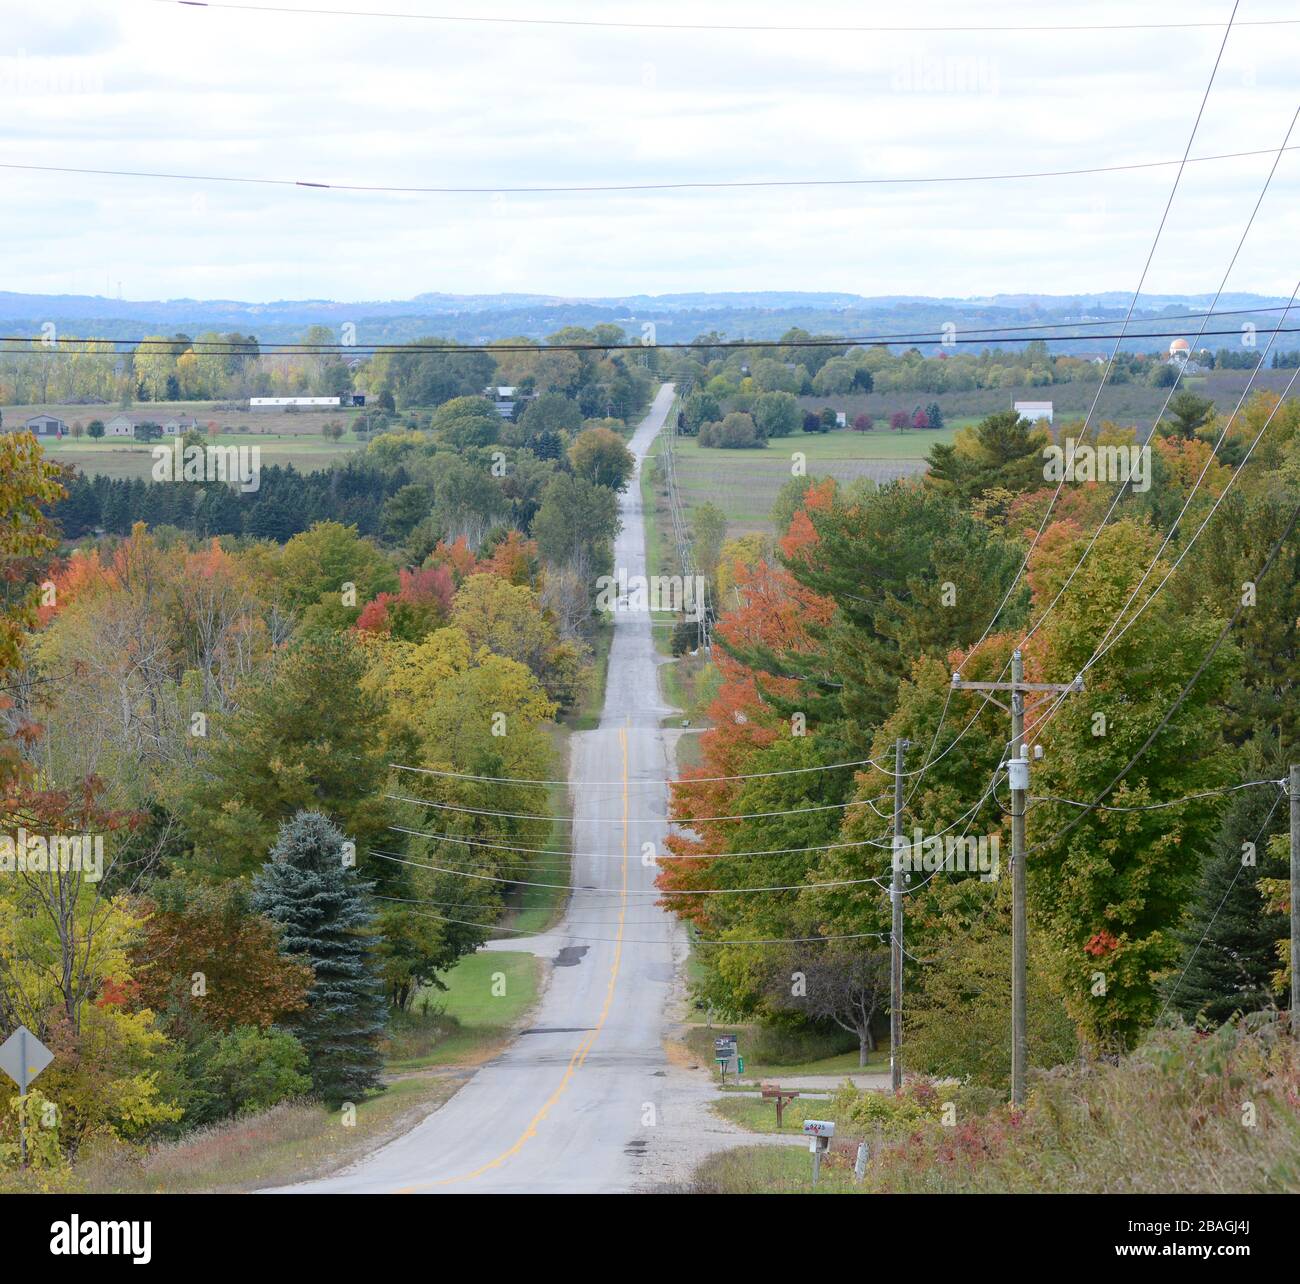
{"x":172,"y":88}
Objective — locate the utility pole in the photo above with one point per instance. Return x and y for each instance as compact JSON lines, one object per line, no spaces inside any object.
{"x":1295,"y":900}
{"x":896,"y":929}
{"x":1017,"y":765}
{"x":1018,"y":770}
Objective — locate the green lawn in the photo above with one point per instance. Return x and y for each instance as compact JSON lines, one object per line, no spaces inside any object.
{"x":585,"y":714}
{"x":760,"y":1116}
{"x":472,"y":1014}
{"x":122,"y":458}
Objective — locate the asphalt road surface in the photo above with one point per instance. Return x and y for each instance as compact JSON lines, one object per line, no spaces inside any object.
{"x":568,"y":1107}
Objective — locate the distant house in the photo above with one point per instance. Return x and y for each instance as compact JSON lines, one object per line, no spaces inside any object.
{"x":179,"y":427}
{"x":46,"y":426}
{"x":502,"y":399}
{"x":120,"y":426}
{"x":1034,"y":410}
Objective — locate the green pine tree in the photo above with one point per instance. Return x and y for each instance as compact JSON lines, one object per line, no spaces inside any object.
{"x":323,"y":910}
{"x":1230,"y":969}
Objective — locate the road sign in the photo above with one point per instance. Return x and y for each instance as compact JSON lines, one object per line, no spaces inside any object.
{"x":724,"y":1048}
{"x":23,"y":1056}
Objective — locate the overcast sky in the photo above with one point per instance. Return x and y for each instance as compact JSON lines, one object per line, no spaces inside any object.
{"x":139,"y":85}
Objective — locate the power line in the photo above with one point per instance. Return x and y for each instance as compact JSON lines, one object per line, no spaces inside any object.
{"x":555,"y":851}
{"x":594,"y":784}
{"x":780,"y":29}
{"x":1164,"y":217}
{"x":1160,"y":806}
{"x":686,"y":185}
{"x":1106,"y":645}
{"x":1182,"y":695}
{"x":612,"y":820}
{"x":970,"y":334}
{"x":1191,"y":958}
{"x":1120,"y":489}
{"x":622,"y":940}
{"x":219,"y":348}
{"x":654,"y":892}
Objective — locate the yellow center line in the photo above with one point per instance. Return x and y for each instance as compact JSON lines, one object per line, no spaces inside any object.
{"x":580,"y":1052}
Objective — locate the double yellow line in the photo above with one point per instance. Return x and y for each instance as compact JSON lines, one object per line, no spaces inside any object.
{"x":580,"y":1052}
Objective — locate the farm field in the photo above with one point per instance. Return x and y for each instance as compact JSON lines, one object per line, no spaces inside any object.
{"x":127,"y":459}
{"x":1134,"y":404}
{"x":745,"y":483}
{"x":284,"y":438}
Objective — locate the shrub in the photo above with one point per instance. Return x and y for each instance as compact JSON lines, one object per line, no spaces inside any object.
{"x":736,"y":432}
{"x":895,"y":1113}
{"x":244,"y":1070}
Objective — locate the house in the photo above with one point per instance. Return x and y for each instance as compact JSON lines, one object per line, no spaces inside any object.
{"x":1034,"y":410}
{"x":120,"y":426}
{"x":179,"y":427}
{"x":46,"y":426}
{"x":502,"y":399}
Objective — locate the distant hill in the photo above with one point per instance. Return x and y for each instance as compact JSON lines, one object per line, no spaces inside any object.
{"x":766,"y":314}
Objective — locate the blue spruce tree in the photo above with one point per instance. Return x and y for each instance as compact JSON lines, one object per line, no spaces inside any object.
{"x":322,"y":907}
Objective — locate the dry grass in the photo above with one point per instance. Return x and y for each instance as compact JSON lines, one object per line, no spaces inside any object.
{"x":294,"y":1141}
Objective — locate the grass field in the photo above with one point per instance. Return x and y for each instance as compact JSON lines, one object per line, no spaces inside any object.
{"x":468,"y":1016}
{"x":745,"y":483}
{"x":124,"y":459}
{"x":282,"y":438}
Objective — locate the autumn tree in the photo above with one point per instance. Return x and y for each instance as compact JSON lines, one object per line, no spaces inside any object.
{"x":303,"y":738}
{"x":599,"y":455}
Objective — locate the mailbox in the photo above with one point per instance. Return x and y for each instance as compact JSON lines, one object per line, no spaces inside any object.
{"x":819,"y":1133}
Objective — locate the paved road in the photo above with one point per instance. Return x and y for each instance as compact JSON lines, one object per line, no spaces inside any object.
{"x":568,"y":1107}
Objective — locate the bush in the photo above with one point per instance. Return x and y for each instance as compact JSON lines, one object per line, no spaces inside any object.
{"x":1167,"y":1117}
{"x":776,"y":414}
{"x":244,"y":1070}
{"x":736,"y":432}
{"x":894,"y":1113}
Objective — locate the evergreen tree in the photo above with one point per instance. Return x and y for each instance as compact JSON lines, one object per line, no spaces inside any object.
{"x":1002,"y":451}
{"x":303,"y":739}
{"x":322,"y":908}
{"x":1230,"y":969}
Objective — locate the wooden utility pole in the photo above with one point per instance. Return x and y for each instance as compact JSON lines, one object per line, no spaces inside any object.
{"x":1018,"y":769}
{"x":1017,"y":765}
{"x":896,"y":928}
{"x":1295,"y":899}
